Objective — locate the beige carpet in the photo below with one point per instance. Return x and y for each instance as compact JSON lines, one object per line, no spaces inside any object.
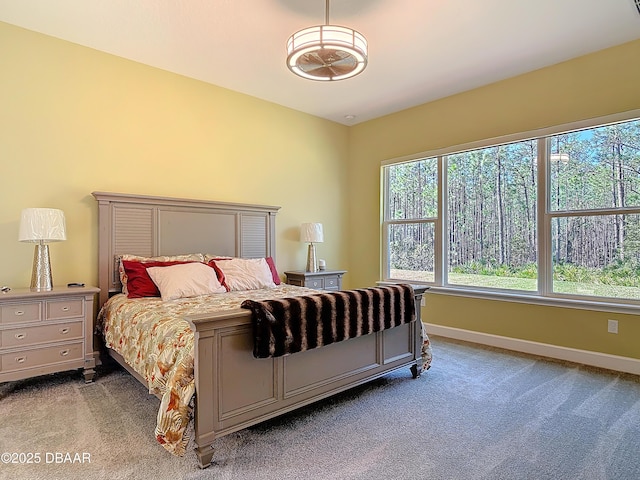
{"x":479,"y":413}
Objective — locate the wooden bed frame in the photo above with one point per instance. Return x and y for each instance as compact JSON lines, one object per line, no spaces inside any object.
{"x":234,"y":390}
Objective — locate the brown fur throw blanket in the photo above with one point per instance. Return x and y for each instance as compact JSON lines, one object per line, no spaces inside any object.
{"x":289,"y":325}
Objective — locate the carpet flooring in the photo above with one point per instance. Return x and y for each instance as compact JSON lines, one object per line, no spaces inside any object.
{"x":478,"y":413}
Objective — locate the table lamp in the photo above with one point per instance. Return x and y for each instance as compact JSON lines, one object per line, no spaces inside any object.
{"x":42,"y":226}
{"x":312,"y":233}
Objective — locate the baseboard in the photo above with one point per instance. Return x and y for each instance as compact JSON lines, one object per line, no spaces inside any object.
{"x":585,"y":357}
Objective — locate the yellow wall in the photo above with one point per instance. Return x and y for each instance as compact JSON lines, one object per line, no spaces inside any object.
{"x":74,"y":120}
{"x":598,"y":84}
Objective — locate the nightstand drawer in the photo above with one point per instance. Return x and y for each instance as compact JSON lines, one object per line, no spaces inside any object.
{"x":331,"y":283}
{"x":314,"y":283}
{"x":18,"y":337}
{"x":41,"y":356}
{"x":20,"y":312}
{"x":61,"y":309}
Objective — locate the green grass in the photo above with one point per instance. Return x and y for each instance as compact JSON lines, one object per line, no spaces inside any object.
{"x":493,"y":281}
{"x":597,"y":290}
{"x":525,"y":284}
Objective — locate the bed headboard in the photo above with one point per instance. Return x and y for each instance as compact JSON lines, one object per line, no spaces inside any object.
{"x":151,"y":226}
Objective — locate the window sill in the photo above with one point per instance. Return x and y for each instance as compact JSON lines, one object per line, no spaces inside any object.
{"x":535,"y":299}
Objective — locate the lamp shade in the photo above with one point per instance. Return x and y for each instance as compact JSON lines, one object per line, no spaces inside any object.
{"x":42,"y":225}
{"x":311,"y":232}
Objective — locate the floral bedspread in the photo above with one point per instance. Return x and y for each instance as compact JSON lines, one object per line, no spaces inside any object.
{"x":425,"y":353}
{"x":155,"y":340}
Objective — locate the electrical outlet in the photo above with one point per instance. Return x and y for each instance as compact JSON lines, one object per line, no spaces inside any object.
{"x":612,"y":326}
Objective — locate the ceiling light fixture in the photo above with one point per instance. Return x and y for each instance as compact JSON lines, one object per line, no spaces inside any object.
{"x":327,"y":52}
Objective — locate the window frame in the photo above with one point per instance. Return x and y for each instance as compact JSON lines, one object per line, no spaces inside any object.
{"x":388,"y":222}
{"x":545,"y":218}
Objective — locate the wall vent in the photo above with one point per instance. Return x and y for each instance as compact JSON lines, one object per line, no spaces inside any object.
{"x":637,"y":2}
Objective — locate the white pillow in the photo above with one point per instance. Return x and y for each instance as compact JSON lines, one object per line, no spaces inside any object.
{"x":185,"y":280}
{"x":246,"y":273}
{"x":188,"y":257}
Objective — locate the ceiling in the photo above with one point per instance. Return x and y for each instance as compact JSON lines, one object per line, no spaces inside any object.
{"x":419,"y":50}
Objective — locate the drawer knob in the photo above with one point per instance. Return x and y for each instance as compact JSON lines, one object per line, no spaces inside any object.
{"x":64,"y":353}
{"x":21,"y":336}
{"x":65,"y":309}
{"x":64,"y":330}
{"x":19,"y":313}
{"x":21,"y":359}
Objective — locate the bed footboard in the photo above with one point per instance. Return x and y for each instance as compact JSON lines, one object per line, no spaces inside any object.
{"x":234,"y":390}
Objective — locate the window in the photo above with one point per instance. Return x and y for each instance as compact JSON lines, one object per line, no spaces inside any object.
{"x":492,"y":217}
{"x":594,"y":179}
{"x":412,"y":201}
{"x":553,"y":215}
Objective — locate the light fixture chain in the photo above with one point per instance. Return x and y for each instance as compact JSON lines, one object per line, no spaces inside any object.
{"x":326,"y":17}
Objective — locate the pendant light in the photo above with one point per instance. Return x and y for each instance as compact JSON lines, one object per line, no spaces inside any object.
{"x":327,"y":52}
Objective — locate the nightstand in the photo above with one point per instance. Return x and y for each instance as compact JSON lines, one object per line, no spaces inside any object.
{"x":322,"y":280}
{"x":46,"y":332}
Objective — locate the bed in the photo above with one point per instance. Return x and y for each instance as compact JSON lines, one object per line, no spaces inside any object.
{"x":225,"y":384}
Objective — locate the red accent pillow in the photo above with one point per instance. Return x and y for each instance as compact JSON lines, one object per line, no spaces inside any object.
{"x":139,"y":283}
{"x":219,"y":273}
{"x":274,"y":271}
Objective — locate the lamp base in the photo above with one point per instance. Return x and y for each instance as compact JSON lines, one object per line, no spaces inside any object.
{"x":312,"y":261}
{"x":41,"y":279}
